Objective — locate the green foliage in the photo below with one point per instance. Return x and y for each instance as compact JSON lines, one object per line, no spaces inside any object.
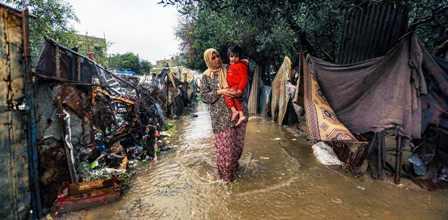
{"x":88,"y":44}
{"x":269,"y":30}
{"x":129,"y":61}
{"x":51,"y":19}
{"x":202,"y":29}
{"x":432,"y":16}
{"x":145,"y":66}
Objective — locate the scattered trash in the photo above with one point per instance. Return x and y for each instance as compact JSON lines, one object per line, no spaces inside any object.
{"x":418,"y":165}
{"x":325,"y":154}
{"x":77,"y":196}
{"x":336,"y":200}
{"x":361,"y":188}
{"x":264,"y":158}
{"x":277,"y":139}
{"x":165,"y":133}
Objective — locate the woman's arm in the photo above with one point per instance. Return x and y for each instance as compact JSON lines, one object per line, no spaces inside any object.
{"x":208,"y":94}
{"x":233,"y":93}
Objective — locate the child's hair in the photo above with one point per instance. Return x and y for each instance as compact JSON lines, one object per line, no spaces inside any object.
{"x":235,"y":50}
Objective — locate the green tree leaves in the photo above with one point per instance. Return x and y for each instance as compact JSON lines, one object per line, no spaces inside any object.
{"x":269,"y":30}
{"x":51,"y":19}
{"x":129,"y":61}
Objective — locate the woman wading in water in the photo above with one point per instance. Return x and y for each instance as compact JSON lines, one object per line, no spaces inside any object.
{"x":229,"y":139}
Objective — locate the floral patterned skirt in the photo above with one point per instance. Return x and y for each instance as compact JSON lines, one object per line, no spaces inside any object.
{"x":229,"y":147}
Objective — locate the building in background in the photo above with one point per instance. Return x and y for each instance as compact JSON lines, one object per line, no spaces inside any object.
{"x":93,"y":47}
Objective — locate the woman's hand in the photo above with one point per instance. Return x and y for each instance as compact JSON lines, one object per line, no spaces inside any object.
{"x":229,"y":92}
{"x":223,"y":92}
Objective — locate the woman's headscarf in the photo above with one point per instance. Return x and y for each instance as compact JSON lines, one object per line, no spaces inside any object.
{"x":213,"y":71}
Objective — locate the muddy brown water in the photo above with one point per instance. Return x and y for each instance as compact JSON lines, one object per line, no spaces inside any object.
{"x":279,"y":179}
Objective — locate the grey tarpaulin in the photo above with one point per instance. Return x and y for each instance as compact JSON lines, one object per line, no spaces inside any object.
{"x":383,"y":92}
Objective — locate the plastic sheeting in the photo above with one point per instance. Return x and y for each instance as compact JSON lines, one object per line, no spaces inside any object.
{"x":265,"y":96}
{"x":325,"y":154}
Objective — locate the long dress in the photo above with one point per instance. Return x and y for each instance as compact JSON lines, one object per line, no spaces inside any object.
{"x":229,"y":140}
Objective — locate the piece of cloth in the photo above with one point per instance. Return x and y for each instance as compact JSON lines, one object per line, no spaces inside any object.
{"x":379,"y":93}
{"x":229,"y":147}
{"x":218,"y":70}
{"x":280,"y":97}
{"x":322,"y":122}
{"x":237,"y":79}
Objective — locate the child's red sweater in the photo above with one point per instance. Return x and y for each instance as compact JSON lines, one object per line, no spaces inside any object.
{"x":237,"y":76}
{"x":237,"y":79}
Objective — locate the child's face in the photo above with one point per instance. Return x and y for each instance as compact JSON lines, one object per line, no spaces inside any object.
{"x":233,"y":58}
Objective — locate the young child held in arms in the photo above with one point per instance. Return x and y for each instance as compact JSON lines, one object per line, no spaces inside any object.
{"x":237,"y":79}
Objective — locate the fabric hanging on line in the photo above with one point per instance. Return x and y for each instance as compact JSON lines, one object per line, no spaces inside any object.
{"x":323,"y":125}
{"x":280,"y":97}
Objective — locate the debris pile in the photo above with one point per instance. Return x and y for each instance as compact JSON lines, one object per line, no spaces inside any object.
{"x":92,"y":126}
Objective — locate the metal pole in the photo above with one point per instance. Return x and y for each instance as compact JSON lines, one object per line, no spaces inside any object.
{"x":398,"y":156}
{"x":31,"y":123}
{"x":380,"y":145}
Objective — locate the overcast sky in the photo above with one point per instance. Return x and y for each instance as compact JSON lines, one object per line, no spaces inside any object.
{"x":139,"y":26}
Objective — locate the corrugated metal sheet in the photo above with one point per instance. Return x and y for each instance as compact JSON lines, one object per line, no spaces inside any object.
{"x":370,"y":30}
{"x":60,"y":63}
{"x":15,"y":196}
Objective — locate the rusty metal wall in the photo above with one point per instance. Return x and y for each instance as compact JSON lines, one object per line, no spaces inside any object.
{"x":15,"y":195}
{"x":370,"y":30}
{"x":59,"y":63}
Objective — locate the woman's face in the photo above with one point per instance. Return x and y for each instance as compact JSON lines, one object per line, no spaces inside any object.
{"x":216,"y":60}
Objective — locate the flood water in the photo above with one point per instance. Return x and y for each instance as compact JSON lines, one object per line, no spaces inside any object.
{"x":279,"y":179}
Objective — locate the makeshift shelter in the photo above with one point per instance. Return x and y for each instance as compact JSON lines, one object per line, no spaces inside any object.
{"x":371,"y":29}
{"x":175,"y":90}
{"x":394,"y":91}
